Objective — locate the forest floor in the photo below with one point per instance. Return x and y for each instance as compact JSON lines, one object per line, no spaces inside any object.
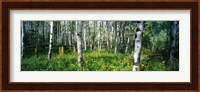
{"x":93,"y":61}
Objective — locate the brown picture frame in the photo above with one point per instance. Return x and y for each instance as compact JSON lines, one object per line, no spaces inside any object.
{"x":7,"y":6}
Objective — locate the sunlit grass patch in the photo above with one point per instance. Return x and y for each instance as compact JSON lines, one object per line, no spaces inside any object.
{"x":93,"y":61}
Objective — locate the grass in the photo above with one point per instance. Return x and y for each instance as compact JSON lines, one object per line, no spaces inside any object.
{"x":95,"y":61}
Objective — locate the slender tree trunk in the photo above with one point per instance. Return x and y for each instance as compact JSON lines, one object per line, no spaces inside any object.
{"x":121,"y":36}
{"x":50,"y":40}
{"x":70,"y":34}
{"x":117,"y":37}
{"x":116,"y":44}
{"x":74,"y":41}
{"x":99,"y":38}
{"x":101,"y":30}
{"x":104,"y":35}
{"x":79,"y":43}
{"x":174,"y":28}
{"x":63,"y":39}
{"x":58,"y":32}
{"x":70,"y":38}
{"x":111,"y":36}
{"x":22,"y":37}
{"x":138,"y":45}
{"x":94,"y":34}
{"x":91,"y":34}
{"x":107,"y":35}
{"x":65,"y":35}
{"x":123,"y":32}
{"x":127,"y":45}
{"x":114,"y":35}
{"x":84,"y":37}
{"x":128,"y":38}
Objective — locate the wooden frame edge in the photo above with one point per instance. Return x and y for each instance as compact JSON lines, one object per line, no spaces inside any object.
{"x":8,"y":29}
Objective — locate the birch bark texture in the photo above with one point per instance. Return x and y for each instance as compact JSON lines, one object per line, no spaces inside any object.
{"x":50,"y":40}
{"x":84,"y":38}
{"x":127,"y":45}
{"x":174,"y":29}
{"x":99,"y":37}
{"x":138,"y":45}
{"x":79,"y":43}
{"x":22,"y":37}
{"x":116,"y":36}
{"x":91,"y":30}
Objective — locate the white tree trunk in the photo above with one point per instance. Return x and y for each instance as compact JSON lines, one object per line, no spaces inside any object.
{"x":84,"y":38}
{"x":107,"y":35}
{"x":138,"y":45}
{"x":99,"y":37}
{"x":128,"y":38}
{"x":74,"y":42}
{"x":79,"y":43}
{"x":111,"y":37}
{"x":111,"y":34}
{"x":117,"y":37}
{"x":66,"y":31}
{"x":116,"y":44}
{"x":91,"y":34}
{"x":120,"y":36}
{"x":127,"y":45}
{"x":174,"y":28}
{"x":22,"y":37}
{"x":50,"y":40}
{"x":70,"y":35}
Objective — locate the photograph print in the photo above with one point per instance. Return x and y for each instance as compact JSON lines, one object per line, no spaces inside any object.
{"x":99,"y":45}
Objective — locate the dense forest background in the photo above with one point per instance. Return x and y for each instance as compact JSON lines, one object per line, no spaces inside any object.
{"x":98,"y":46}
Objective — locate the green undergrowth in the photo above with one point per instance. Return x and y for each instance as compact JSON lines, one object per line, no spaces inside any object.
{"x":93,"y":61}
